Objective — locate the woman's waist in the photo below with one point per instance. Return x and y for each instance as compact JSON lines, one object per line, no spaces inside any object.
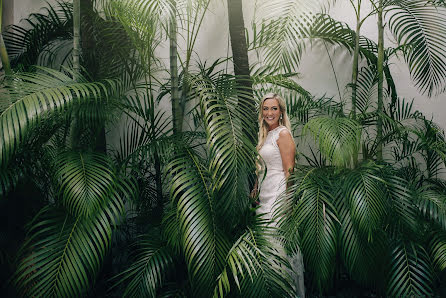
{"x":272,"y":173}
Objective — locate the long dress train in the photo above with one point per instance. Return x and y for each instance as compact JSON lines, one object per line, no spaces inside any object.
{"x":272,"y":185}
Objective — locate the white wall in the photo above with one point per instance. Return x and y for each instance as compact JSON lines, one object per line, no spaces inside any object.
{"x":315,"y":69}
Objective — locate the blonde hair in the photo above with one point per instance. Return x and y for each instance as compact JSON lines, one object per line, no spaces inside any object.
{"x":263,"y":126}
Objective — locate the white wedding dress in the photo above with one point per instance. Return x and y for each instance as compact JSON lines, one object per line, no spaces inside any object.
{"x":272,"y":185}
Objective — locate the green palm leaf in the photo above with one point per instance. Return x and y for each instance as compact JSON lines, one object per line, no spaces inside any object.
{"x":366,"y":89}
{"x":432,"y":204}
{"x":253,"y":264}
{"x":367,"y":198}
{"x":86,"y":181}
{"x":437,"y":247}
{"x":64,"y":253}
{"x":338,"y":138}
{"x":8,"y":180}
{"x":35,"y":96}
{"x":410,"y":271}
{"x":41,"y":33}
{"x":313,"y":213}
{"x":153,"y":260}
{"x":325,"y":28}
{"x":280,"y":38}
{"x":201,"y":242}
{"x":364,"y":260}
{"x":421,"y":25}
{"x":230,"y":136}
{"x":405,"y":213}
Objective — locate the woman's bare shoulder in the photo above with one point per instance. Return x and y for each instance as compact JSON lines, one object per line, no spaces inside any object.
{"x":284,"y":132}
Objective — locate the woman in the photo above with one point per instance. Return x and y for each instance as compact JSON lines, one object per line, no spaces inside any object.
{"x":277,"y":149}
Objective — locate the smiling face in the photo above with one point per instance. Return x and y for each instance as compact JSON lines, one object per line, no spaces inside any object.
{"x":271,"y":112}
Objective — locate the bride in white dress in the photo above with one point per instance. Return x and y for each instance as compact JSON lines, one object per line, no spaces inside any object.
{"x":277,"y":150}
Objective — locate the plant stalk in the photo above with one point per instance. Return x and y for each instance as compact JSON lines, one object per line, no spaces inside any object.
{"x":177,"y":111}
{"x":380,"y":67}
{"x":76,"y":38}
{"x":3,"y":52}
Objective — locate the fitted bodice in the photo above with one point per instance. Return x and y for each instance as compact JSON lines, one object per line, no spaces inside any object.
{"x":272,"y":182}
{"x":270,"y":152}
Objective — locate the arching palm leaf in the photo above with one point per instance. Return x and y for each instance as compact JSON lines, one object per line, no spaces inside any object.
{"x":410,"y":271}
{"x":281,"y":35}
{"x":64,"y":253}
{"x":366,"y":89}
{"x":231,"y":150}
{"x":37,"y":95}
{"x":8,"y":179}
{"x":255,"y":265}
{"x":367,"y":198}
{"x":201,"y":241}
{"x":422,"y":26}
{"x":432,"y":204}
{"x":324,"y":27}
{"x":338,"y":138}
{"x":314,"y":214}
{"x":363,"y":259}
{"x":153,"y":261}
{"x":405,"y":213}
{"x":86,"y":181}
{"x":41,"y":32}
{"x":437,"y":247}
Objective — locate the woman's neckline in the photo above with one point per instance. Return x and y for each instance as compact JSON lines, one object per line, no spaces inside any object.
{"x":275,"y":128}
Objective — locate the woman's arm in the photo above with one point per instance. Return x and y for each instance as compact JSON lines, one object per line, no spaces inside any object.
{"x":287,"y":150}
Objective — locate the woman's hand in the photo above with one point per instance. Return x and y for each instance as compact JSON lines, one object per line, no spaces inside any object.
{"x":253,"y":193}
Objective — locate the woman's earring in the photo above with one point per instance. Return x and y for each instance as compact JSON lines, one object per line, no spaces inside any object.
{"x":281,"y":116}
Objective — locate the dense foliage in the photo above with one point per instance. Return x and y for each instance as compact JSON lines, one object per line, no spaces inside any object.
{"x":166,"y":212}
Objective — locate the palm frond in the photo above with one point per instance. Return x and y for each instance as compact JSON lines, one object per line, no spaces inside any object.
{"x":437,"y":247}
{"x":153,"y":261}
{"x":230,"y":133}
{"x":256,"y":265}
{"x":35,"y":96}
{"x":421,"y":25}
{"x":311,"y":211}
{"x":410,"y":271}
{"x":432,"y":204}
{"x":191,"y":191}
{"x":366,"y":89}
{"x":8,"y":180}
{"x":41,"y":33}
{"x":364,"y":260}
{"x":86,"y":181}
{"x":143,"y":23}
{"x":338,"y":138}
{"x":171,"y":230}
{"x":405,"y":212}
{"x":329,"y":30}
{"x":367,"y":199}
{"x":280,"y":80}
{"x":280,"y":37}
{"x":63,"y":254}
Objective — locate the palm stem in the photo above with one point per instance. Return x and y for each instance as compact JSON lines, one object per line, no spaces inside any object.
{"x":177,"y":111}
{"x":356,"y":60}
{"x":76,"y":37}
{"x":240,"y":58}
{"x":380,"y":67}
{"x":3,"y":52}
{"x":355,"y":70}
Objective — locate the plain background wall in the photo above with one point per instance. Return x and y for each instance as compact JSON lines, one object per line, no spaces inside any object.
{"x":315,"y":69}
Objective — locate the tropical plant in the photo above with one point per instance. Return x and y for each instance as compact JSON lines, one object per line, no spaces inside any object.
{"x":207,"y":180}
{"x":166,"y":212}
